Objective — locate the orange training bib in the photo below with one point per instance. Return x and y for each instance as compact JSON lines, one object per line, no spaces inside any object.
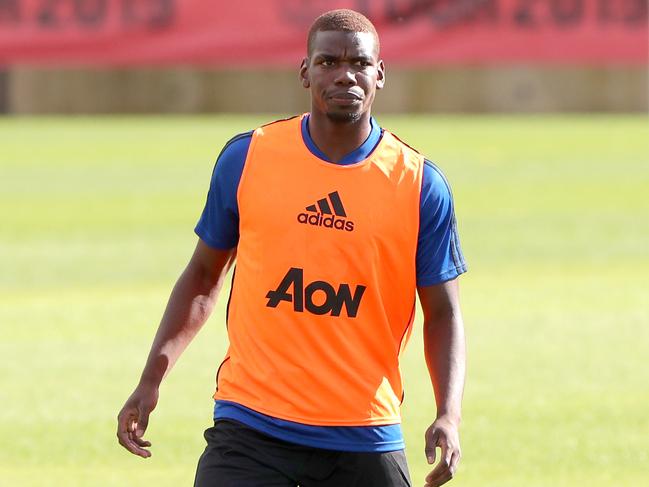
{"x":324,"y":290}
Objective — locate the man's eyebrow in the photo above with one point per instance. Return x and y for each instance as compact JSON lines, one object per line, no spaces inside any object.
{"x":325,"y":56}
{"x":333,"y":57}
{"x":363,"y":58}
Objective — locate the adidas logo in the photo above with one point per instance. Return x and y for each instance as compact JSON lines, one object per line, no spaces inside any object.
{"x":328,"y":212}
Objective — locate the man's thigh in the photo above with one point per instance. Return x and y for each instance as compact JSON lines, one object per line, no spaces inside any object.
{"x":236,"y":456}
{"x":336,"y":469}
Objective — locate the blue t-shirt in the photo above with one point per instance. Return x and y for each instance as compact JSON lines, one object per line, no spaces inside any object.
{"x":439,"y":258}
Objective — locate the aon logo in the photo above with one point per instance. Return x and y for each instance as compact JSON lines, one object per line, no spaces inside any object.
{"x":303,"y":297}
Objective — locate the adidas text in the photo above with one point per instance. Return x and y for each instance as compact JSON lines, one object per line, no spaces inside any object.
{"x":320,"y":220}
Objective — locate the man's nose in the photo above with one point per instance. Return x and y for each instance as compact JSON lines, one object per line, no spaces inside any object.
{"x":345,"y":75}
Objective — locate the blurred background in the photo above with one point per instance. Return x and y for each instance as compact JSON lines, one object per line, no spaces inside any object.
{"x":112,"y":113}
{"x":189,"y":56}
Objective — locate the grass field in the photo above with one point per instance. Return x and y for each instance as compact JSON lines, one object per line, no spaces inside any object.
{"x":96,"y":223}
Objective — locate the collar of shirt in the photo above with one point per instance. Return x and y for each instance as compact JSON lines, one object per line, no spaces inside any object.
{"x":357,"y":155}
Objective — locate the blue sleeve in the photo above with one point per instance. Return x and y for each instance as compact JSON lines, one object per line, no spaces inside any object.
{"x":218,"y":226}
{"x":439,"y":256}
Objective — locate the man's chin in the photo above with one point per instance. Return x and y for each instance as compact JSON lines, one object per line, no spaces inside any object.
{"x":344,"y":117}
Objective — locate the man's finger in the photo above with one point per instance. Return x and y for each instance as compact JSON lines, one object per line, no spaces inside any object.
{"x":437,"y":481}
{"x":455,"y":460}
{"x":447,"y":455}
{"x":125,"y":417}
{"x":138,"y":440}
{"x":431,"y":447}
{"x":142,"y":423}
{"x":126,"y":427}
{"x":124,"y":439}
{"x":442,"y":472}
{"x":431,"y":455}
{"x":141,"y":442}
{"x":134,"y":449}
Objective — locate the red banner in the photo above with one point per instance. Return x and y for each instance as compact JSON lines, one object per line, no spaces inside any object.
{"x":272,"y":32}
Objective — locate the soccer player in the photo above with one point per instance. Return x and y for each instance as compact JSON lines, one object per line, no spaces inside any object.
{"x":334,"y":224}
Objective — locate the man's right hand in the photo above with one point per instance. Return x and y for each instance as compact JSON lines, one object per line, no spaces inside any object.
{"x":134,"y":418}
{"x":189,"y":306}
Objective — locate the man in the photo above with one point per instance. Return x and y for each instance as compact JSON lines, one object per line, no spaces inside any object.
{"x":334,"y":223}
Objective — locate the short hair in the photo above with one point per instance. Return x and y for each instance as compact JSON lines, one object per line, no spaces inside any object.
{"x":342,"y":20}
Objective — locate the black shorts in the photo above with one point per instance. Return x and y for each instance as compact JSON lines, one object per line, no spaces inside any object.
{"x":239,"y":456}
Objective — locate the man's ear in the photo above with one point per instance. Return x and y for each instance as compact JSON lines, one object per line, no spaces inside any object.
{"x":380,"y":78}
{"x":304,"y":73}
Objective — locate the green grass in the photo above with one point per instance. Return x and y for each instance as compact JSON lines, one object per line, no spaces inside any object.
{"x":96,"y":223}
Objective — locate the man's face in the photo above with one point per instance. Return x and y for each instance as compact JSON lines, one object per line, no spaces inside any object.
{"x":343,"y":73}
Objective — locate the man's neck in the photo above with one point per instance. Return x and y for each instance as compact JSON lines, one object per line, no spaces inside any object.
{"x":336,"y":139}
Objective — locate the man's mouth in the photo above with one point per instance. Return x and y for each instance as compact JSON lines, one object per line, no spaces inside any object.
{"x":346,"y":95}
{"x":345,"y":98}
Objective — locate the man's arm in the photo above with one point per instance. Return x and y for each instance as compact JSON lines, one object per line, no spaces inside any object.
{"x":189,"y":306}
{"x":445,"y":351}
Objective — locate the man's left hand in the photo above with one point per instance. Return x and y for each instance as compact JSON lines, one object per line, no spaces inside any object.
{"x":443,"y":434}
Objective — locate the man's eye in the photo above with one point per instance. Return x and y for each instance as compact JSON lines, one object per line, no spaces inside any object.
{"x":327,"y":62}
